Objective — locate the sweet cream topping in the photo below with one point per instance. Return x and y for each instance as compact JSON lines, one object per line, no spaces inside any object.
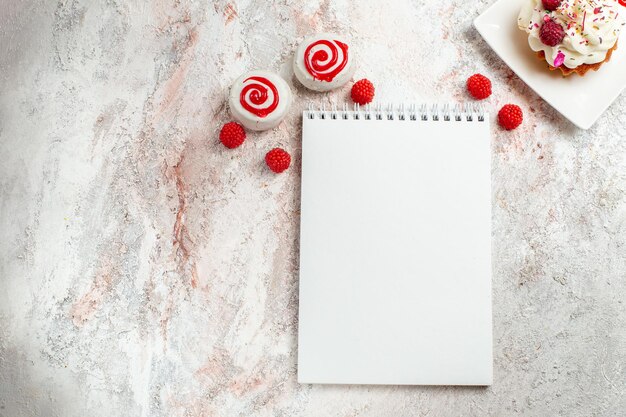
{"x":324,"y":59}
{"x":591,"y":29}
{"x":259,"y":96}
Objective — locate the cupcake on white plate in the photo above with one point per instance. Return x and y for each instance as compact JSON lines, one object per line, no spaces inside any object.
{"x":573,"y":36}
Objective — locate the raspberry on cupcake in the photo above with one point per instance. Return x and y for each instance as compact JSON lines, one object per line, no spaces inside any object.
{"x":551,"y":33}
{"x":551,"y":4}
{"x":573,"y":36}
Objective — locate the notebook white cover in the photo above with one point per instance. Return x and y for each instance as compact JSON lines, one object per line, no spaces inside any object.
{"x":395,"y":252}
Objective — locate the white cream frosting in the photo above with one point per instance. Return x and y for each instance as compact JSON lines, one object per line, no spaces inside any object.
{"x":591,"y":29}
{"x":260,"y":100}
{"x":331,"y":59}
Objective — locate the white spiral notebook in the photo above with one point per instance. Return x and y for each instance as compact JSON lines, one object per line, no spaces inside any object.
{"x":395,"y":247}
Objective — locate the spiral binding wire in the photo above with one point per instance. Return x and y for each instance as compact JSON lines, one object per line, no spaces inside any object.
{"x":467,"y":112}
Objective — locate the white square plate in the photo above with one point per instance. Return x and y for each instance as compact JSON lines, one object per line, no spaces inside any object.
{"x":580,"y":99}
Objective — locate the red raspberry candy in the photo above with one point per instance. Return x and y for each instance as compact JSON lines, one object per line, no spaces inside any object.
{"x":479,"y":86}
{"x":232,"y":135}
{"x":551,"y":4}
{"x":278,"y":160}
{"x":362,"y":91}
{"x":551,"y":33}
{"x":510,"y":116}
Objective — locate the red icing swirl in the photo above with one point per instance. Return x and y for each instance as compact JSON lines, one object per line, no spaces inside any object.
{"x":255,"y":97}
{"x":325,"y":59}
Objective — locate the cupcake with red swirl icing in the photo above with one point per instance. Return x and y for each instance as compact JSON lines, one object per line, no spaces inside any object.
{"x":573,"y":36}
{"x":259,"y":100}
{"x":324,"y":62}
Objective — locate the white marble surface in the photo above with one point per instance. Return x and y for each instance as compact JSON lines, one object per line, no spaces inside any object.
{"x":145,"y":270}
